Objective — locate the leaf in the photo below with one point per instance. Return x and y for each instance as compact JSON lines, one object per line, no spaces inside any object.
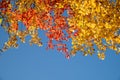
{"x":101,"y":56}
{"x":1,"y":20}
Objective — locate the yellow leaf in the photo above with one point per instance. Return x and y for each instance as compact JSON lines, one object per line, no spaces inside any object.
{"x":93,"y":3}
{"x":108,"y":25}
{"x":0,"y":20}
{"x":101,"y":56}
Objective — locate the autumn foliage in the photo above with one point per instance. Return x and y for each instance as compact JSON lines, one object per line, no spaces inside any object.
{"x":88,"y":23}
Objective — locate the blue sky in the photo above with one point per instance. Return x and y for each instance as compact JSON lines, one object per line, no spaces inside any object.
{"x":36,"y":63}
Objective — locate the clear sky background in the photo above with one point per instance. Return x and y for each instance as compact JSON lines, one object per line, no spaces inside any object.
{"x":36,"y":63}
